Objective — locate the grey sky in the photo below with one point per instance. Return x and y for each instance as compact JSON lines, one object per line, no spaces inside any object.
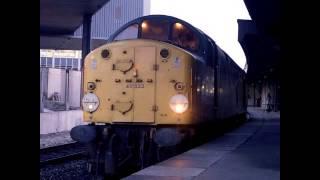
{"x":217,"y":18}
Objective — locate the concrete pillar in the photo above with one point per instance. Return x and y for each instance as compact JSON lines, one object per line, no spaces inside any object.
{"x":43,"y":86}
{"x":41,"y":91}
{"x":67,"y":90}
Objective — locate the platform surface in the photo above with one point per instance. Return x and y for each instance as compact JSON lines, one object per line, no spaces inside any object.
{"x":250,"y":152}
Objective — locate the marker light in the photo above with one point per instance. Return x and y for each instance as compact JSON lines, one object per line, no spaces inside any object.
{"x":179,"y":103}
{"x":90,"y":102}
{"x":178,"y":25}
{"x":144,"y":25}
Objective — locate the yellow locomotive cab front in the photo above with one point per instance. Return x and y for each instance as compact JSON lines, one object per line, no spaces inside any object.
{"x":138,"y":81}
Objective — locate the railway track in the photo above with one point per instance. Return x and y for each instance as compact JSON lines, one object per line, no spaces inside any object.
{"x":62,"y":153}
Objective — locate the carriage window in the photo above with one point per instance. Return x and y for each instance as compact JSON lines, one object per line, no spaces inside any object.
{"x":56,"y":62}
{"x":184,"y":37}
{"x":130,"y":33}
{"x":43,"y":61}
{"x":69,"y":62}
{"x":63,"y":62}
{"x":158,"y":30}
{"x":49,"y":62}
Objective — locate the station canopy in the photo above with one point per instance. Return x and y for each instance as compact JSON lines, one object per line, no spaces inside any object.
{"x":59,"y":19}
{"x":260,"y":39}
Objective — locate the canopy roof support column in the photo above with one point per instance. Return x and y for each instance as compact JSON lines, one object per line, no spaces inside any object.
{"x":86,"y":44}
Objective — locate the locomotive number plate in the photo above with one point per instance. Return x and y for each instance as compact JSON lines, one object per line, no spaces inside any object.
{"x":135,"y":85}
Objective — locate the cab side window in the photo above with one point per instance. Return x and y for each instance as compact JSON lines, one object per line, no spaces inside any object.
{"x":184,"y":37}
{"x":130,"y":33}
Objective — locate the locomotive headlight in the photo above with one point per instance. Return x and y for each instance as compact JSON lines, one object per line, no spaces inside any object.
{"x":90,"y":102}
{"x":179,"y":103}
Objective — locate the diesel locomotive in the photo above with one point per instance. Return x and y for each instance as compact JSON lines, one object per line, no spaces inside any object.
{"x":155,"y":84}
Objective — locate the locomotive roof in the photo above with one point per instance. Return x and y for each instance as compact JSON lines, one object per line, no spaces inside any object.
{"x":170,"y":18}
{"x":199,"y":33}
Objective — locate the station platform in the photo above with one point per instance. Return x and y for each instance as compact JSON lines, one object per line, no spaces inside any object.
{"x":250,"y":152}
